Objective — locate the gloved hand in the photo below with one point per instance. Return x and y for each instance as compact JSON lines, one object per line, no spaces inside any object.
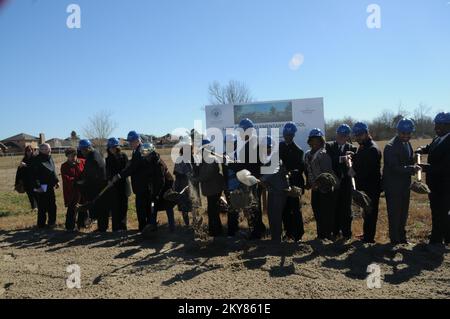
{"x":419,"y":151}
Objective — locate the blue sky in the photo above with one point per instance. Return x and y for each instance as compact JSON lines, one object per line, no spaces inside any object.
{"x":150,"y":62}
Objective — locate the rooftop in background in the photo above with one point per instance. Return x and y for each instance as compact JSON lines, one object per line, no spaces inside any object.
{"x":21,"y":137}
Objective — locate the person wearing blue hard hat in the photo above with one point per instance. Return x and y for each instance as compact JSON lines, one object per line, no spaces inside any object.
{"x":360,"y":129}
{"x":344,"y":130}
{"x":133,"y":136}
{"x":116,"y":162}
{"x":92,"y":182}
{"x":275,"y":180}
{"x":231,"y":182}
{"x":248,"y":158}
{"x":438,"y":179}
{"x":137,"y":169}
{"x":84,"y":144}
{"x":317,"y":163}
{"x":339,"y":150}
{"x":182,"y":172}
{"x":292,"y":157}
{"x":366,"y":170}
{"x":398,"y":169}
{"x":246,"y":124}
{"x":150,"y":180}
{"x":212,"y":185}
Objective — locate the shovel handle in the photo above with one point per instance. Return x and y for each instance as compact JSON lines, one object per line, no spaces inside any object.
{"x":350,"y":165}
{"x":419,"y":161}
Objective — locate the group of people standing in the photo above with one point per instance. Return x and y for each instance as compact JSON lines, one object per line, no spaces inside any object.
{"x":237,"y":178}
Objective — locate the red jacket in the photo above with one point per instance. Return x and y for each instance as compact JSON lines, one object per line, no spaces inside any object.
{"x":70,"y":173}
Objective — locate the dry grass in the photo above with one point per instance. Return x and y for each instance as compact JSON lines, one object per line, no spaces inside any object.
{"x":15,"y":212}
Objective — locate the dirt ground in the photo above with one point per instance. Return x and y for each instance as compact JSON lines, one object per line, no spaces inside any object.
{"x":33,"y":264}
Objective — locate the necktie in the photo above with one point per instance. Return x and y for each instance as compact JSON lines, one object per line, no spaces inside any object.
{"x":408,"y":151}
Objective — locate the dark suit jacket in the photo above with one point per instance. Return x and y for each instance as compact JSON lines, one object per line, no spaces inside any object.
{"x":438,"y":174}
{"x":367,"y":165}
{"x":293,"y":160}
{"x":139,"y":170}
{"x":340,"y":169}
{"x":398,"y":166}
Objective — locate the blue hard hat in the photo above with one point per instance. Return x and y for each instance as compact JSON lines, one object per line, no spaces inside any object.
{"x":84,"y":144}
{"x":344,"y":129}
{"x":133,"y":136}
{"x":113,"y":142}
{"x":406,"y":126}
{"x":316,"y":132}
{"x":246,"y":123}
{"x":290,"y":129}
{"x":360,"y":128}
{"x":442,"y":118}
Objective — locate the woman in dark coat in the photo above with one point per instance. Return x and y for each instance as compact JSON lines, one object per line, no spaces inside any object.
{"x":212,"y":185}
{"x":119,"y":193}
{"x":323,"y":200}
{"x":24,"y":180}
{"x":160,"y":182}
{"x":182,"y":172}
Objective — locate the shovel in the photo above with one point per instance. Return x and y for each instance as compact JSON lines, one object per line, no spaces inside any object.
{"x":173,"y":196}
{"x":89,"y":205}
{"x":418,"y":186}
{"x":360,"y":198}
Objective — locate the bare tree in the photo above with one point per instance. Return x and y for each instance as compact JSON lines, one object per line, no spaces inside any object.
{"x":99,"y":128}
{"x":231,"y":93}
{"x":424,"y":123}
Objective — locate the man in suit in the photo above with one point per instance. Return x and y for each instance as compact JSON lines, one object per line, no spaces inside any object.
{"x":367,"y":172}
{"x":338,"y":151}
{"x":398,"y":169}
{"x":292,"y":157}
{"x":438,"y":179}
{"x":139,"y":170}
{"x":248,"y":158}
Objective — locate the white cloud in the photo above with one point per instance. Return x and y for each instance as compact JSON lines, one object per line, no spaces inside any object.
{"x":296,"y":61}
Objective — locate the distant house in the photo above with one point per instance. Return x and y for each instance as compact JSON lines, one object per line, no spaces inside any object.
{"x":17,"y":143}
{"x":166,"y":140}
{"x":59,"y":145}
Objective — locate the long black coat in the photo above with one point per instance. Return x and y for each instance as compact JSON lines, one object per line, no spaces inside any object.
{"x":139,"y":170}
{"x":160,"y":182}
{"x":398,"y":166}
{"x":93,"y":177}
{"x":293,"y":160}
{"x":340,"y":169}
{"x":248,"y":158}
{"x":25,"y":174}
{"x":115,"y":165}
{"x":43,"y":171}
{"x":367,"y":165}
{"x":438,"y":173}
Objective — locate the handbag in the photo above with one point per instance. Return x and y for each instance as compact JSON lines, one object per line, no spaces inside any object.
{"x":20,"y":187}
